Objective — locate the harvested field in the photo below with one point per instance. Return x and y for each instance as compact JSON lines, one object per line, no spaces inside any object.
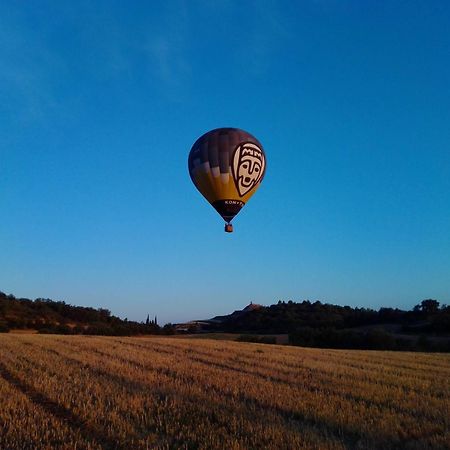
{"x":136,"y":393}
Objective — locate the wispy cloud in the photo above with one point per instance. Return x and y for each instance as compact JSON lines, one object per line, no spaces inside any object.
{"x":167,"y":48}
{"x":167,"y":61}
{"x":265,"y":31}
{"x":43,"y":62}
{"x":170,"y":47}
{"x":46,"y":64}
{"x":26,"y":70}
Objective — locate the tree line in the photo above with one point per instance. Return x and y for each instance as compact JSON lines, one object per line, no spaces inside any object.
{"x":425,"y":328}
{"x":58,"y":317}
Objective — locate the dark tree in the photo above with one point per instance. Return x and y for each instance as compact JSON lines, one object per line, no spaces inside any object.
{"x":428,"y":306}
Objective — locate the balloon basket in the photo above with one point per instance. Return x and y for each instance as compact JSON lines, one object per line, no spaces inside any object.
{"x":228,"y":228}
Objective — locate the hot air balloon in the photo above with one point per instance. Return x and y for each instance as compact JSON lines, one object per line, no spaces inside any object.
{"x":227,"y":166}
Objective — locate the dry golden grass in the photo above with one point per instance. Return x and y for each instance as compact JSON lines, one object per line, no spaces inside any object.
{"x":136,"y":393}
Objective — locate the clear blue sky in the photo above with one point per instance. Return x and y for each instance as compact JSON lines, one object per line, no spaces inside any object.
{"x":100,"y":103}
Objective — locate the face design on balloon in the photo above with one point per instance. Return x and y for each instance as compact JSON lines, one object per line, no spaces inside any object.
{"x":248,"y":167}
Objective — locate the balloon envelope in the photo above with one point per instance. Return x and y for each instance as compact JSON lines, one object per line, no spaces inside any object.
{"x":227,"y":166}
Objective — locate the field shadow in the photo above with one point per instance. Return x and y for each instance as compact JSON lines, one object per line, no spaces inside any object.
{"x":87,"y":431}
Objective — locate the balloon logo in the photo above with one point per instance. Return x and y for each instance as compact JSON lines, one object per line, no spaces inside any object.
{"x":227,"y":166}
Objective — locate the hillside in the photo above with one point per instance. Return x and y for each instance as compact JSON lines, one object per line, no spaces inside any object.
{"x":312,"y":324}
{"x":104,"y":392}
{"x":316,"y":324}
{"x":49,"y":316}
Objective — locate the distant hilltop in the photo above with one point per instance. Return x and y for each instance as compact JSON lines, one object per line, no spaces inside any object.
{"x":205,"y":324}
{"x":252,"y":306}
{"x":238,"y":313}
